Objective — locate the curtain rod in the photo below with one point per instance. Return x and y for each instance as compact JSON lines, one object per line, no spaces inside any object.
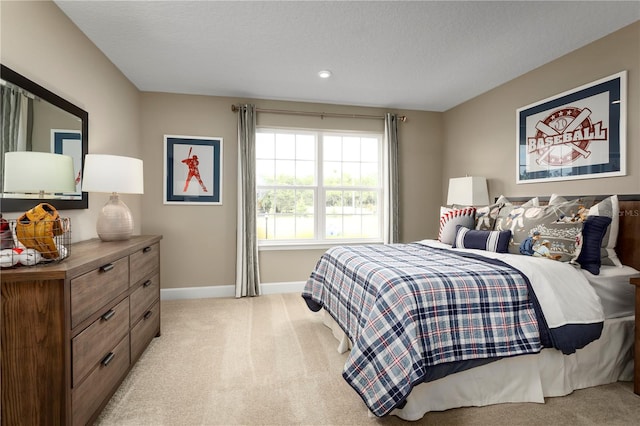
{"x":402,"y":118}
{"x":19,"y":90}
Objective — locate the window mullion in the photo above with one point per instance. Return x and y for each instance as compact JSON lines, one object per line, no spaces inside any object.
{"x":320,"y":192}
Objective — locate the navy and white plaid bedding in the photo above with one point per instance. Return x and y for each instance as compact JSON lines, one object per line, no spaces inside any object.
{"x":406,"y":307}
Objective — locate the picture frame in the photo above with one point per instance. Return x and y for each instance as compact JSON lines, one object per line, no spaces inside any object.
{"x":192,"y":170}
{"x":577,"y":134}
{"x":69,"y":142}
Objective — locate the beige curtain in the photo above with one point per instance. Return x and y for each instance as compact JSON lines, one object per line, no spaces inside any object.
{"x":247,"y":268}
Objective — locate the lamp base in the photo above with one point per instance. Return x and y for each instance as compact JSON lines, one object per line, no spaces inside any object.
{"x":115,"y":221}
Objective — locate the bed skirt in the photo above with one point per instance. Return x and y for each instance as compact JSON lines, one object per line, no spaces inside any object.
{"x":524,"y":378}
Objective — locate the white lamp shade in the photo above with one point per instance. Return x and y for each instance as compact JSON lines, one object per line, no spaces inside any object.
{"x":112,"y":173}
{"x":468,"y":191}
{"x":38,"y":172}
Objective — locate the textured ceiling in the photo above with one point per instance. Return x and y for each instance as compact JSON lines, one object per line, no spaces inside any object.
{"x":425,"y":55}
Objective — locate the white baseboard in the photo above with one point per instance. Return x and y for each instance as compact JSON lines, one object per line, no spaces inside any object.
{"x":197,"y":292}
{"x":276,"y":288}
{"x":226,"y":290}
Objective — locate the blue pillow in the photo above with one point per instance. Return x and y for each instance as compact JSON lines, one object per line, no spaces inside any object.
{"x":593,"y":231}
{"x":497,"y":241}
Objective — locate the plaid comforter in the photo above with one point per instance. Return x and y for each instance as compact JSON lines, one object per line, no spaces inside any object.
{"x":406,"y":307}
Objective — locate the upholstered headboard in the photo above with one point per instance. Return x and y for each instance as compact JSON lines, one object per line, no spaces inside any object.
{"x":628,"y":244}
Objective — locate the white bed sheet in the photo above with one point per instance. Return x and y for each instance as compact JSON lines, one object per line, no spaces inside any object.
{"x":613,"y":288}
{"x":531,"y":378}
{"x":525,"y":378}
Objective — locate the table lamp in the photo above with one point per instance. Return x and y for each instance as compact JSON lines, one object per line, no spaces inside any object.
{"x":116,"y":175}
{"x":31,"y":172}
{"x":468,"y":191}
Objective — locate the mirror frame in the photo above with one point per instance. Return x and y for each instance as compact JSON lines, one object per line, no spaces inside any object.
{"x":24,"y":204}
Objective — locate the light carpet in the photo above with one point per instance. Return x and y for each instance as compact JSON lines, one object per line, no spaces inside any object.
{"x":268,"y":360}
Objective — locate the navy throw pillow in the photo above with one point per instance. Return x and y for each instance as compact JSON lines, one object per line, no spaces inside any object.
{"x":496,"y":241}
{"x":593,"y":231}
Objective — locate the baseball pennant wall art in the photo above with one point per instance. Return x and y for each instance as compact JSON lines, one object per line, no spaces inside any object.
{"x":578,"y":134}
{"x":192,"y":170}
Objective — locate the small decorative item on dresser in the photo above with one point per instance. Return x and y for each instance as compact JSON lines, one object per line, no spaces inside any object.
{"x":38,"y":227}
{"x":636,"y":374}
{"x":116,"y":175}
{"x":39,"y":235}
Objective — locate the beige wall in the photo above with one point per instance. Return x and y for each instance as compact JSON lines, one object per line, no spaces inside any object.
{"x":200,"y":241}
{"x":47,"y":117}
{"x":56,"y":55}
{"x":481,"y":133}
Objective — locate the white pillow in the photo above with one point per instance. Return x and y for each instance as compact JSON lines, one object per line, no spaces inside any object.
{"x":450,"y":218}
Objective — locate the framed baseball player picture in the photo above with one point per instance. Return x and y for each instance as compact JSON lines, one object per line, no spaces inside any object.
{"x":69,"y":142}
{"x":578,"y":134}
{"x":192,"y":170}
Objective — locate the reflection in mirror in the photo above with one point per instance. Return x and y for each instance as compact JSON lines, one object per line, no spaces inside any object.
{"x":35,"y":119}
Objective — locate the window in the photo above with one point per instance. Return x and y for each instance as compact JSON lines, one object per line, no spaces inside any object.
{"x":318,"y":186}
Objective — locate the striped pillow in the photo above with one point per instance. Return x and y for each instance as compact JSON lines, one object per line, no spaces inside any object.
{"x":496,"y":241}
{"x":450,"y":218}
{"x":593,"y":232}
{"x":609,"y":207}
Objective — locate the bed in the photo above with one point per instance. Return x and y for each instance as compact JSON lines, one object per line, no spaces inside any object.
{"x":433,"y":325}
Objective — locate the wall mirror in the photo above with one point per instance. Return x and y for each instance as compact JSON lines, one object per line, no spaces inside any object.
{"x":36,"y":119}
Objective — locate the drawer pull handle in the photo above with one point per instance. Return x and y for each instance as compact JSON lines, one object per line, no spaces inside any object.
{"x":107,"y":267}
{"x":147,"y":283}
{"x":107,"y":359}
{"x":146,"y":249}
{"x":108,"y":314}
{"x":147,"y":315}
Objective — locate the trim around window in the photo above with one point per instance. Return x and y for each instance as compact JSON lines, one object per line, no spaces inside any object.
{"x":359,"y":192}
{"x":265,"y":245}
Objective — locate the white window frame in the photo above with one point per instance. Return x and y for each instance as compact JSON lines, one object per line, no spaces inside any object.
{"x":319,"y":194}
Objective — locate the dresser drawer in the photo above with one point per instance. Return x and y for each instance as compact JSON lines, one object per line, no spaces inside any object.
{"x":88,"y":397}
{"x":144,"y":296}
{"x":90,"y":347}
{"x":97,"y":288}
{"x":143,"y":332}
{"x":144,"y":262}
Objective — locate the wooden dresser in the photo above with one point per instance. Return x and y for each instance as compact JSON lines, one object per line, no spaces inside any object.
{"x":636,"y":368}
{"x":71,"y":331}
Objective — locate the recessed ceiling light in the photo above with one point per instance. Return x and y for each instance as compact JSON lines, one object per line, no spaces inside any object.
{"x":324,"y":74}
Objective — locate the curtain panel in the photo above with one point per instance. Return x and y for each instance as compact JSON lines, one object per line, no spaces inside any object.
{"x":15,"y":113}
{"x":247,"y":268}
{"x":391,"y":234}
